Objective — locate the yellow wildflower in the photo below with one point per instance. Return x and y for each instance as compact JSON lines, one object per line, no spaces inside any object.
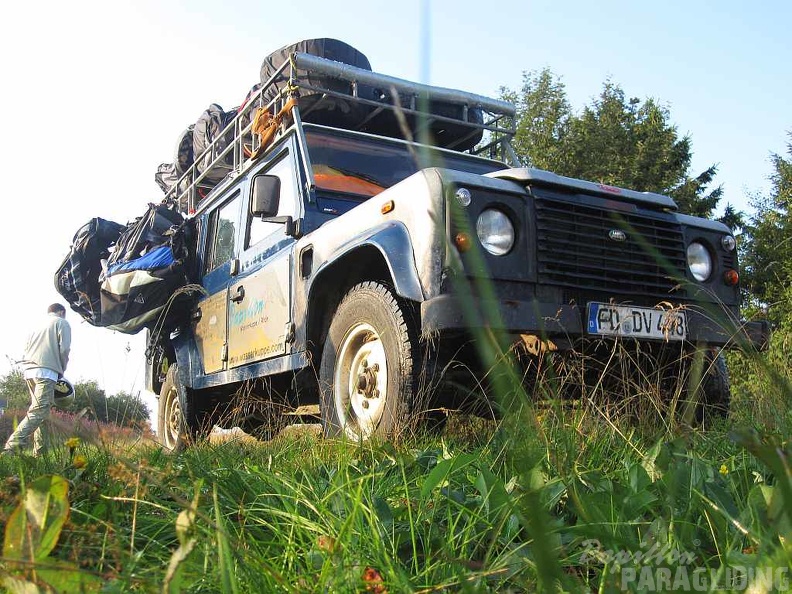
{"x":724,"y":470}
{"x":72,"y":442}
{"x":79,"y":461}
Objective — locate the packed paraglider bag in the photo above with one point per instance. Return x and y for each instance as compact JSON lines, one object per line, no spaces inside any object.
{"x":123,"y":278}
{"x":148,"y":265}
{"x":78,"y":277}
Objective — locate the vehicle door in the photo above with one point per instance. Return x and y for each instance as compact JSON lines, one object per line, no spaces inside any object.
{"x":223,"y":234}
{"x":260,"y":298}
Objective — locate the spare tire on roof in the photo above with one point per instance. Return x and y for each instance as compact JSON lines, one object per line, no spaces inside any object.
{"x":317,"y":107}
{"x":460,"y":130}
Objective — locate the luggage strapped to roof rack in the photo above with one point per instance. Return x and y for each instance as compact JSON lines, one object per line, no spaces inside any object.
{"x":463,"y":116}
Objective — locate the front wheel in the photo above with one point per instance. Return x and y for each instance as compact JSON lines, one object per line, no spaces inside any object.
{"x":715,"y":389}
{"x":367,"y":371}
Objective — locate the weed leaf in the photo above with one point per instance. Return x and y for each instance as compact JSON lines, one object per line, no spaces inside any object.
{"x":33,"y":529}
{"x":493,"y":493}
{"x":443,"y":470}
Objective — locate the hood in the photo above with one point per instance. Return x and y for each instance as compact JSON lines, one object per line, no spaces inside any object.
{"x":529,"y":176}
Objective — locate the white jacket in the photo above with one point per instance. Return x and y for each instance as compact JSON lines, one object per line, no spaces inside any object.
{"x":49,"y":346}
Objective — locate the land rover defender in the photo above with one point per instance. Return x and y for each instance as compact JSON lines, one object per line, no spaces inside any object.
{"x":345,"y":263}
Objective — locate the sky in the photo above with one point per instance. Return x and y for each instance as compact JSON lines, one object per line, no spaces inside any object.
{"x":95,"y":93}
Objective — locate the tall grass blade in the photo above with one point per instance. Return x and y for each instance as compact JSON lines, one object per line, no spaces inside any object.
{"x":225,"y":558}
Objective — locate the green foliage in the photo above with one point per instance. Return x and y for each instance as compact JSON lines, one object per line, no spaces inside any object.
{"x":34,"y":526}
{"x":622,"y":141}
{"x":185,"y":531}
{"x":766,"y":247}
{"x":614,"y":140}
{"x":764,"y":380}
{"x":127,"y":410}
{"x":122,"y":409}
{"x":31,"y":534}
{"x":14,"y":390}
{"x":543,"y":120}
{"x":565,"y":503}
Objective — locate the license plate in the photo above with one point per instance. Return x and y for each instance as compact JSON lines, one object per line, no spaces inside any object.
{"x":636,"y":322}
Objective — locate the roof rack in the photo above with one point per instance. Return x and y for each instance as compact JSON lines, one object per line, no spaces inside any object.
{"x":230,"y":152}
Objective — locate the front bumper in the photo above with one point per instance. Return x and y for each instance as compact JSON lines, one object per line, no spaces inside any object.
{"x":707,"y":325}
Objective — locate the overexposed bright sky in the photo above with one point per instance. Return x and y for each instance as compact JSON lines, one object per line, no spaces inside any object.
{"x":94,"y":94}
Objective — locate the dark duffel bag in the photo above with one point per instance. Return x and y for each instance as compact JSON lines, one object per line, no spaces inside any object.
{"x":169,"y":173}
{"x":207,"y":130}
{"x":77,"y":278}
{"x":458,"y":134}
{"x":184,"y":150}
{"x":166,"y":176}
{"x":146,"y":232}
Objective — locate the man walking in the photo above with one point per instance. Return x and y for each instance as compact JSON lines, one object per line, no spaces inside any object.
{"x":45,"y":360}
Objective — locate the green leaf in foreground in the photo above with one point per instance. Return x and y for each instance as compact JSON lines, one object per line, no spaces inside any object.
{"x":31,"y":533}
{"x":35,"y":525}
{"x":445,"y":469}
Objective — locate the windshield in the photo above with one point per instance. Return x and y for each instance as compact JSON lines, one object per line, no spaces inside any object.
{"x":361,"y":166}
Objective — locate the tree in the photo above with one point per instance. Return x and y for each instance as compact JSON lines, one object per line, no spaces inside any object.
{"x":543,"y":117}
{"x":14,"y":390}
{"x":127,"y":410}
{"x":766,"y":258}
{"x":767,"y":243}
{"x":614,"y":140}
{"x":122,"y":409}
{"x":732,"y":218}
{"x":88,"y":395}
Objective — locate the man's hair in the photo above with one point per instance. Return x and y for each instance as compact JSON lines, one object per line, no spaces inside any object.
{"x":56,"y":308}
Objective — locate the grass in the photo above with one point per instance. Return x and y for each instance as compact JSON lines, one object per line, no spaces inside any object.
{"x":608,"y":491}
{"x":559,"y":499}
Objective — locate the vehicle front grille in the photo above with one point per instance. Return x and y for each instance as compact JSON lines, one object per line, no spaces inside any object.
{"x":576,"y":250}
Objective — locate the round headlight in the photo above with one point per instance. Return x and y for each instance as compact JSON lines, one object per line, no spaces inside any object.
{"x":699,"y":261}
{"x":495,"y":232}
{"x":729,"y":243}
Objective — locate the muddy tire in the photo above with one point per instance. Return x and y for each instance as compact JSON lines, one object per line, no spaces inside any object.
{"x":178,"y":425}
{"x":367,"y":376}
{"x":715,"y":392}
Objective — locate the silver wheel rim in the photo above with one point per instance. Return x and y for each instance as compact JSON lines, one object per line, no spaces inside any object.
{"x":173,"y":419}
{"x":360,"y":381}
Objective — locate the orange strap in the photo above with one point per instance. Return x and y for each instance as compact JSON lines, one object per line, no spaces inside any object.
{"x":265,"y":125}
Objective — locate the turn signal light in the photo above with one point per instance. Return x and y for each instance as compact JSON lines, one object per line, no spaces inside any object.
{"x":462,"y":242}
{"x":731,"y":278}
{"x":387,"y":207}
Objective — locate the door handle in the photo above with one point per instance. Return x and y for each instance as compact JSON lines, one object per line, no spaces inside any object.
{"x":240,"y":294}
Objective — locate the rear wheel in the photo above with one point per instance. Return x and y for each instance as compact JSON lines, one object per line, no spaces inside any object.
{"x":367,"y":369}
{"x":178,"y":422}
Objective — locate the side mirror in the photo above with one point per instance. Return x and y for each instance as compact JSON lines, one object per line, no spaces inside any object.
{"x":266,"y":196}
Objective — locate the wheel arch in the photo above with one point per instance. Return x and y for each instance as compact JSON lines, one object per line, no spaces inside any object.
{"x":385,"y":256}
{"x":160,"y":355}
